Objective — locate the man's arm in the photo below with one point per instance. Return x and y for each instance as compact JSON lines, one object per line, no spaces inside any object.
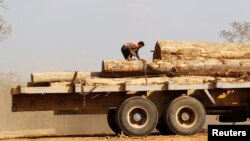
{"x":133,"y":48}
{"x":137,"y":54}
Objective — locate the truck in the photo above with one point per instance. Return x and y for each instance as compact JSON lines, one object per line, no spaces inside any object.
{"x":137,"y":104}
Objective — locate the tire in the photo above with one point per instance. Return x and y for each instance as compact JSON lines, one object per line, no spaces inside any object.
{"x":137,"y":116}
{"x":185,"y":116}
{"x":111,"y":121}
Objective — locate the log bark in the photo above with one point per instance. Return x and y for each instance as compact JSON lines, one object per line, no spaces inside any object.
{"x":199,"y":67}
{"x":122,"y":68}
{"x":190,"y":50}
{"x":151,"y":80}
{"x":43,"y":77}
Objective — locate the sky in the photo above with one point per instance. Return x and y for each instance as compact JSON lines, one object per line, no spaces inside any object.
{"x":69,"y":35}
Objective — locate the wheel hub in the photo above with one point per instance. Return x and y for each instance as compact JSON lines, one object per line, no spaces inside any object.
{"x":137,"y":117}
{"x":185,"y":116}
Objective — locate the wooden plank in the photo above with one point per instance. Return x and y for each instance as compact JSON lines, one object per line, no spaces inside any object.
{"x":46,"y":90}
{"x":226,"y":85}
{"x":105,"y":88}
{"x":97,"y":85}
{"x":190,"y":86}
{"x":150,"y":87}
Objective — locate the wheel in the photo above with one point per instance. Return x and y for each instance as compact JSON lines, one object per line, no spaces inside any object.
{"x":137,"y":116}
{"x":111,"y":121}
{"x":185,"y":116}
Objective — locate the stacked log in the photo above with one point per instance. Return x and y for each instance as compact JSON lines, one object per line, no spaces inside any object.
{"x":122,"y":68}
{"x":152,"y":80}
{"x":170,"y":58}
{"x":174,"y":58}
{"x":166,"y":50}
{"x":44,"y":77}
{"x":199,"y":67}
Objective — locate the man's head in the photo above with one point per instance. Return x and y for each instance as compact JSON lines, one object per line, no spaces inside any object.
{"x":141,"y":44}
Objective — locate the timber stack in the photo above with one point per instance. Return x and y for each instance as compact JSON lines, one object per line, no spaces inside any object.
{"x":173,"y":58}
{"x":170,"y":58}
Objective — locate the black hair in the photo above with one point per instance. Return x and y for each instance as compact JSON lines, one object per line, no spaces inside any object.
{"x":141,"y":43}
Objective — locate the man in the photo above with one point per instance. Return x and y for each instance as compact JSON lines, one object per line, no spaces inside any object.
{"x":130,"y":49}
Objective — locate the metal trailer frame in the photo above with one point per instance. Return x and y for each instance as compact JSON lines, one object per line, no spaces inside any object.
{"x":108,"y":98}
{"x":127,"y":87}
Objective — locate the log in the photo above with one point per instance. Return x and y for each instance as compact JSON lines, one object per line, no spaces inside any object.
{"x":122,"y":68}
{"x":99,"y":81}
{"x":199,"y":67}
{"x":153,"y":80}
{"x":43,"y":77}
{"x":190,"y":50}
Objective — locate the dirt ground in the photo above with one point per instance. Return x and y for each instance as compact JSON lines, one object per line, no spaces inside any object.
{"x":197,"y":137}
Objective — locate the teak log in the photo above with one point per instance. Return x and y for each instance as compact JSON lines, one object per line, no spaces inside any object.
{"x":151,"y":80}
{"x":60,"y":76}
{"x":199,"y":67}
{"x":190,"y":50}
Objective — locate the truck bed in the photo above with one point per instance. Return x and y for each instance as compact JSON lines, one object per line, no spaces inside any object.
{"x":98,"y":84}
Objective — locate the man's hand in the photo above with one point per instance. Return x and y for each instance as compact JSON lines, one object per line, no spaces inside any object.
{"x":142,"y":60}
{"x":133,"y":53}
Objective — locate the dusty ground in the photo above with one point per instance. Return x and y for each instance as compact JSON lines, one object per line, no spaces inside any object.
{"x":197,"y":137}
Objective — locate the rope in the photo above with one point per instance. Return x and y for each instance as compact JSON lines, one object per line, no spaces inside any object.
{"x":145,"y":70}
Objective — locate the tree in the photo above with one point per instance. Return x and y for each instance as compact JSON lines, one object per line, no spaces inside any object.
{"x":4,"y":28}
{"x":239,"y":33}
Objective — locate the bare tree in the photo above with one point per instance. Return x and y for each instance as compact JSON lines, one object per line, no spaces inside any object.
{"x":239,"y":33}
{"x":2,"y":4}
{"x":4,"y":28}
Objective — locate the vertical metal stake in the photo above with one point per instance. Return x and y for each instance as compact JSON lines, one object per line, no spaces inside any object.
{"x":82,"y":93}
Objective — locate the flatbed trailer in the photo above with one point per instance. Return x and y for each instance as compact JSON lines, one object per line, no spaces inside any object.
{"x":136,"y":105}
